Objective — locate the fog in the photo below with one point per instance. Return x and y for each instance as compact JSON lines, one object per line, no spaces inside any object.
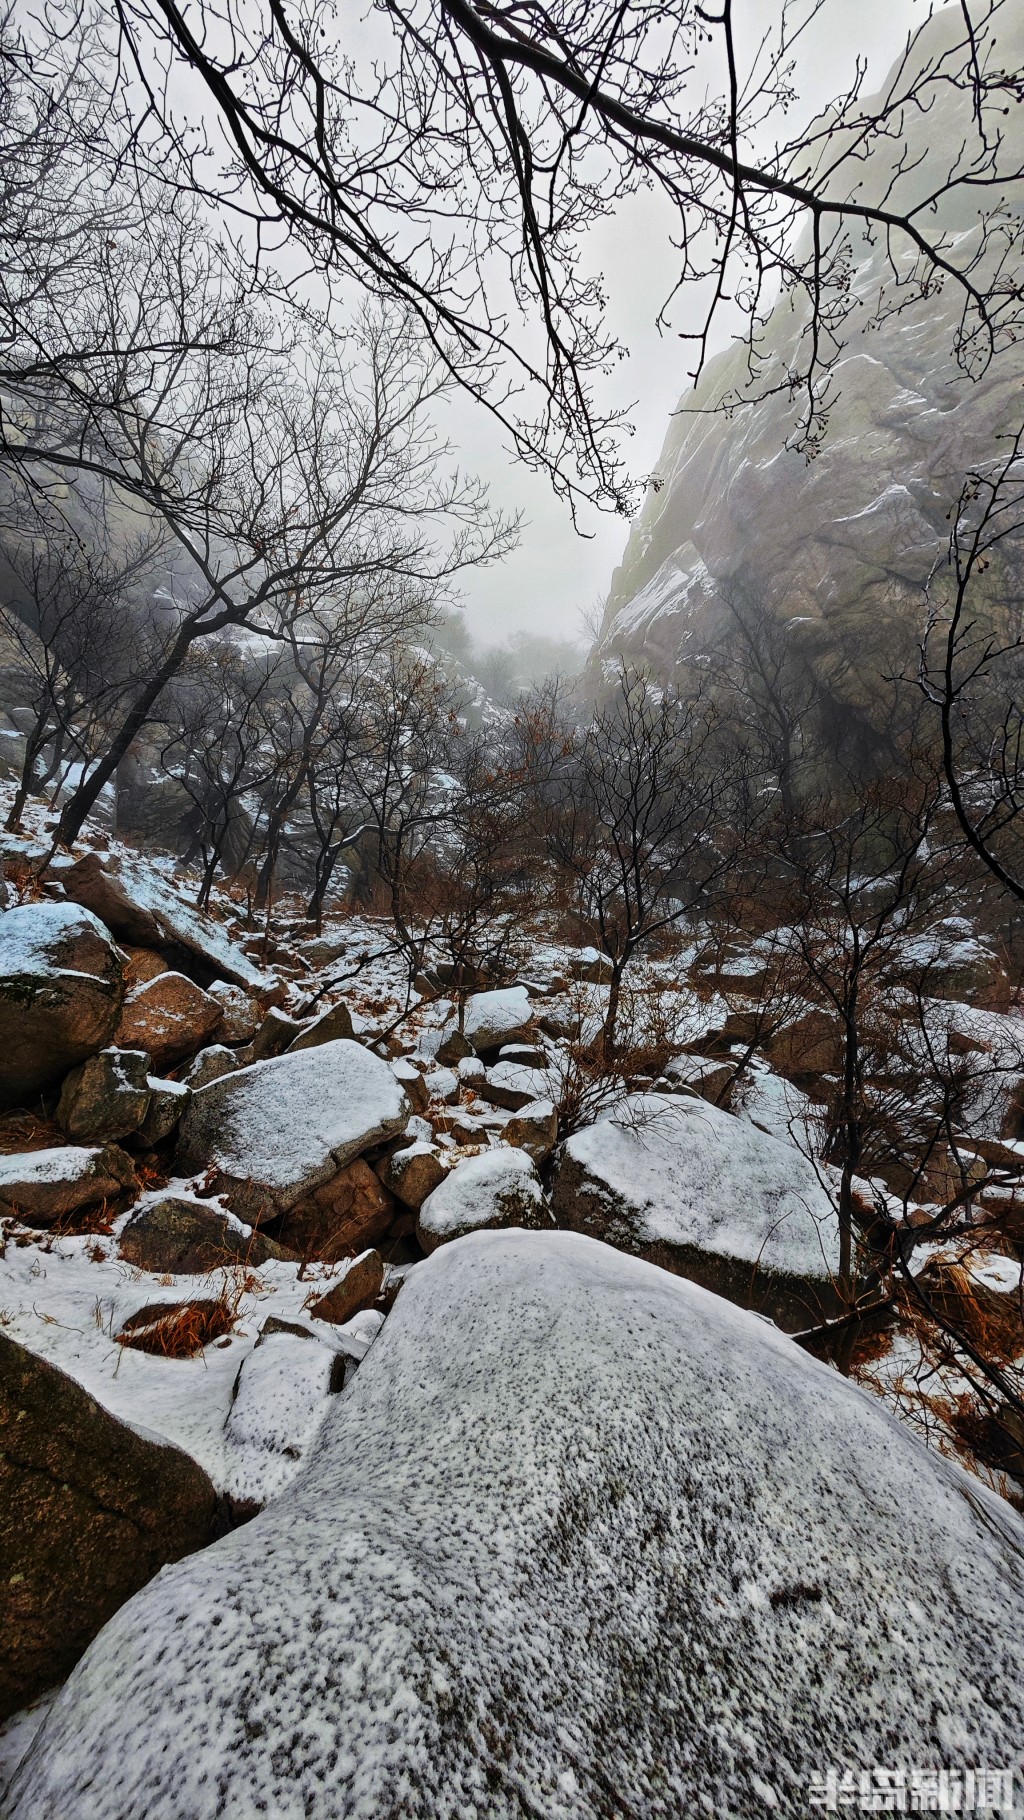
{"x":551,"y":583}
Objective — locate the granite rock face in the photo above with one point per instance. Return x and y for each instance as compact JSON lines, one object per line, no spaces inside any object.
{"x":89,"y":1509}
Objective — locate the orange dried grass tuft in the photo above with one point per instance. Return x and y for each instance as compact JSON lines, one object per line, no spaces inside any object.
{"x":178,"y":1330}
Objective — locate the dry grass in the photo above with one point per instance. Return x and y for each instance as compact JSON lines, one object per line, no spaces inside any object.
{"x":179,"y":1330}
{"x":22,"y":1131}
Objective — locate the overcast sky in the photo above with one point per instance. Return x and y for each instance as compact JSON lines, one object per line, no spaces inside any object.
{"x":556,"y":575}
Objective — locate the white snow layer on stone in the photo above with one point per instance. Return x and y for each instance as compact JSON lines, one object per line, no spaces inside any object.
{"x":184,"y":921}
{"x":279,"y":1403}
{"x":691,"y":1174}
{"x":581,"y":1540}
{"x":491,"y":1017}
{"x":29,"y":932}
{"x":290,"y":1122}
{"x":478,"y":1189}
{"x":62,"y":1163}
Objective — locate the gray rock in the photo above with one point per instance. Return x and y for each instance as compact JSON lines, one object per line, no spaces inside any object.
{"x":167,"y":1102}
{"x":241,"y":1014}
{"x":89,"y":1510}
{"x":61,"y":986}
{"x":145,"y":910}
{"x":210,"y":1065}
{"x":185,"y":1238}
{"x":106,"y":1097}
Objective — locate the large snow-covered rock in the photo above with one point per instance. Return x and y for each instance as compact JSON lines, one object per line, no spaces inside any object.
{"x":145,"y":909}
{"x":493,"y":1018}
{"x":61,"y":986}
{"x":274,"y":1132}
{"x":708,"y":1195}
{"x":169,"y":1016}
{"x":581,"y":1540}
{"x":499,"y":1187}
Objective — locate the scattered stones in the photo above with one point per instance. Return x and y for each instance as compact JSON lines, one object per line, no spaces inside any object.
{"x":41,"y":1187}
{"x":167,"y":1102}
{"x":526,"y":1055}
{"x":89,"y":1509}
{"x":413,"y":1173}
{"x":210,"y":1064}
{"x":61,"y":986}
{"x":500,"y":1187}
{"x":274,"y":1133}
{"x":534,"y":1128}
{"x":169,"y":1016}
{"x":351,"y":1210}
{"x":471,"y":1072}
{"x":358,"y":1288}
{"x":327,"y":1028}
{"x":186,"y":1237}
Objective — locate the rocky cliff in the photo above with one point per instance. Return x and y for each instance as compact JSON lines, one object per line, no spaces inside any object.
{"x":839,"y":548}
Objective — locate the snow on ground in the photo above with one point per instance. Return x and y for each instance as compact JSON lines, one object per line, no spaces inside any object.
{"x":65,"y":1299}
{"x":581,"y":1538}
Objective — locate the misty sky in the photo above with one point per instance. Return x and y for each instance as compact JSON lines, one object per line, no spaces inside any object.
{"x":556,"y":575}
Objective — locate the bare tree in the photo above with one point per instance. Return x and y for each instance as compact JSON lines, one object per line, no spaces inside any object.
{"x":642,"y":796}
{"x":972,"y":664}
{"x":456,"y":164}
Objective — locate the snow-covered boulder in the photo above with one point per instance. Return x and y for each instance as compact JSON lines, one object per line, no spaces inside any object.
{"x":276,"y":1131}
{"x":44,"y":1186}
{"x":413,"y":1172}
{"x":494,"y":1018}
{"x":512,"y":1085}
{"x":169,"y":1016}
{"x":534,"y":1128}
{"x":580,"y":1540}
{"x":144,"y":909}
{"x":61,"y":986}
{"x":90,"y":1509}
{"x":688,"y":1186}
{"x":498,"y":1187}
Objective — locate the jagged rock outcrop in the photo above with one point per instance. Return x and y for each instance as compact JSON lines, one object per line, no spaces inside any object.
{"x":838,"y":550}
